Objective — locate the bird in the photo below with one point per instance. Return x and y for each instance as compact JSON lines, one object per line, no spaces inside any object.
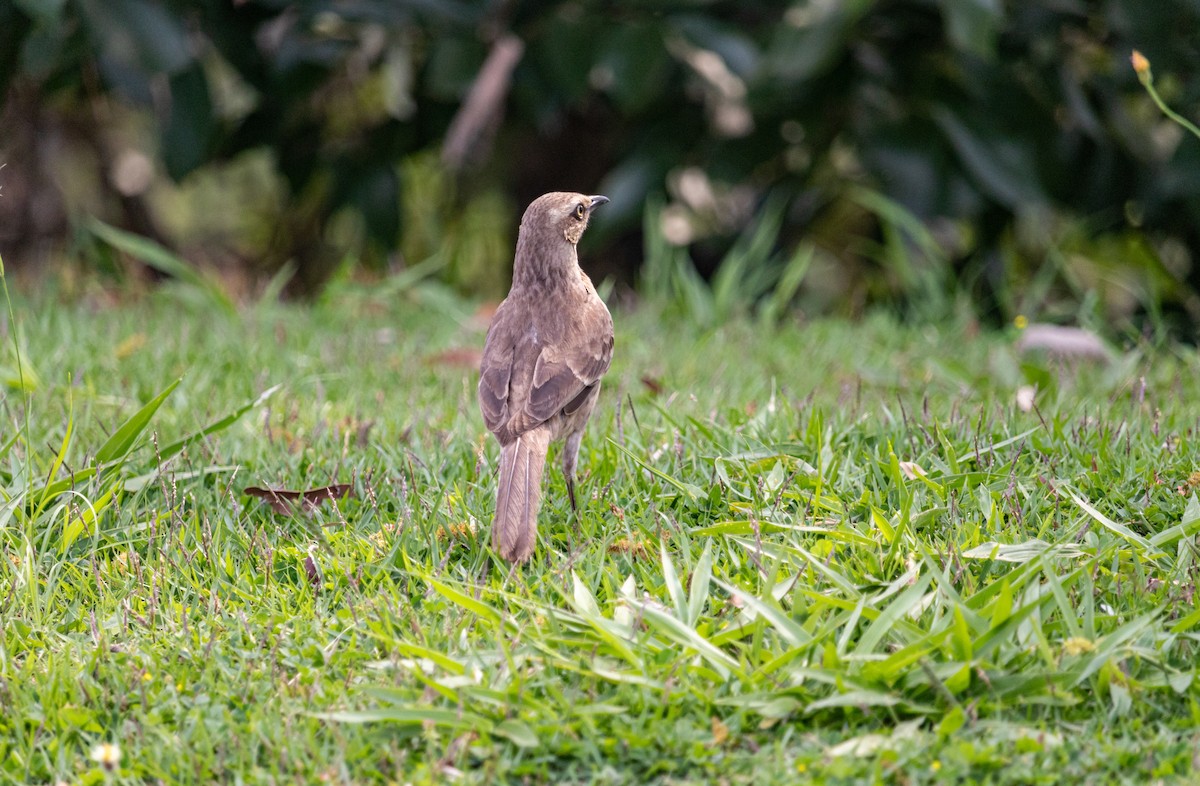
{"x":549,"y":344}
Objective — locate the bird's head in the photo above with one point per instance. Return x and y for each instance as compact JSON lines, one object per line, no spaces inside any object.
{"x":560,"y":214}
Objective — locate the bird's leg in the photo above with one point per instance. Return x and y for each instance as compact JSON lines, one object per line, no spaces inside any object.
{"x":570,"y":453}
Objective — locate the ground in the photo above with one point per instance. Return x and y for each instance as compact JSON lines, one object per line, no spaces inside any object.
{"x":835,"y":551}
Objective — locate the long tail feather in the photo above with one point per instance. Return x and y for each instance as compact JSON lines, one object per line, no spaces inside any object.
{"x":519,"y":494}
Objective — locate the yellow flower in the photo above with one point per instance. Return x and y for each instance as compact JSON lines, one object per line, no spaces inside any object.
{"x":1077,"y":645}
{"x":107,"y":755}
{"x":1021,"y":321}
{"x":1141,"y":65}
{"x":935,"y":765}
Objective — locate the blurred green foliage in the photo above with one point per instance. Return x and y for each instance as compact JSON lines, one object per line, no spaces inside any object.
{"x":1005,"y":129}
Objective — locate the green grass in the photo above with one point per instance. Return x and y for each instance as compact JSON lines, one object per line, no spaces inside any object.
{"x":782,"y":569}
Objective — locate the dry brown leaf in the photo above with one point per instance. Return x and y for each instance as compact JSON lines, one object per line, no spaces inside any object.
{"x":655,"y":386}
{"x":462,"y":531}
{"x":130,"y":345}
{"x":461,"y":357}
{"x":634,"y":548}
{"x":720,"y":732}
{"x":284,"y":501}
{"x":482,"y":318}
{"x":311,"y":571}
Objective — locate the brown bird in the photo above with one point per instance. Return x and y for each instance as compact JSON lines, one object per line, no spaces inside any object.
{"x":549,"y":344}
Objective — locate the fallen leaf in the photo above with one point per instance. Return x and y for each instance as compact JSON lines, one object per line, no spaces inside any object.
{"x":653,"y":385}
{"x":720,"y":732}
{"x":130,"y":345}
{"x":634,"y":548}
{"x":464,"y":357}
{"x":283,"y":501}
{"x":1069,"y":342}
{"x":462,"y":531}
{"x":311,"y":571}
{"x":482,"y":318}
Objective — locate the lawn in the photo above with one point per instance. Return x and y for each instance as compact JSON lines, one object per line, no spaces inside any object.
{"x":831,"y":551}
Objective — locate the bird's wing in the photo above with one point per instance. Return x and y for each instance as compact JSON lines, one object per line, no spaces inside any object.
{"x":567,"y":367}
{"x":495,"y":370}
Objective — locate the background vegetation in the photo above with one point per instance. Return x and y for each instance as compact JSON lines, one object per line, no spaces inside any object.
{"x":906,"y":547}
{"x":257,"y":134}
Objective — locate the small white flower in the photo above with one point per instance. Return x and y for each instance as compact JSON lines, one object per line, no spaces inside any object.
{"x":107,"y":755}
{"x":1025,"y":396}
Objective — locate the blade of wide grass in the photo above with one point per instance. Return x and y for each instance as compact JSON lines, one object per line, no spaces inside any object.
{"x":585,"y":605}
{"x":698,"y":588}
{"x":150,"y":253}
{"x":884,"y":624}
{"x":117,"y":447}
{"x":1148,"y":550}
{"x":79,"y":525}
{"x":218,"y":425}
{"x":417,"y":716}
{"x":61,"y":456}
{"x":680,"y":633}
{"x":1189,"y":526}
{"x":687,"y":489}
{"x":791,"y":631}
{"x":674,"y":586}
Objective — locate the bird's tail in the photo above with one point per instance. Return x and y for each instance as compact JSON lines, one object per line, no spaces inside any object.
{"x":519,"y":494}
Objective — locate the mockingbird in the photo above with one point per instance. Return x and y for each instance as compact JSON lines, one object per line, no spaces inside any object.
{"x":547,"y":348}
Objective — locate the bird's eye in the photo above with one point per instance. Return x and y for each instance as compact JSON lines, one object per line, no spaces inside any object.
{"x":579,"y":211}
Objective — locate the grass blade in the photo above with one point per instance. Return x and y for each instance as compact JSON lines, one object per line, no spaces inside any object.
{"x":1123,"y":531}
{"x":895,"y":611}
{"x":476,"y":607}
{"x":219,"y":425}
{"x":155,"y":256}
{"x":674,"y":586}
{"x":451,"y":719}
{"x":117,"y":446}
{"x":790,"y":630}
{"x":680,"y":633}
{"x":688,"y":490}
{"x":698,"y":590}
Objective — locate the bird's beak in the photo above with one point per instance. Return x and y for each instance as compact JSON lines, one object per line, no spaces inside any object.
{"x":597,"y":200}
